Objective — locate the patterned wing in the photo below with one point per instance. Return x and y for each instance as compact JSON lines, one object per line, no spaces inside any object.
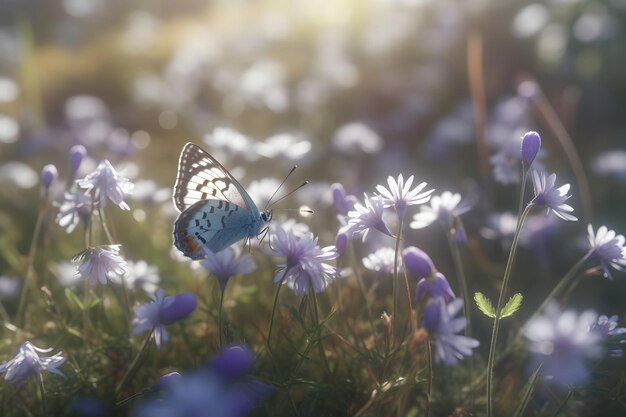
{"x":214,"y":224}
{"x":201,"y":177}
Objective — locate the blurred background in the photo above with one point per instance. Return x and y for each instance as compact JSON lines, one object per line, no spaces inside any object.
{"x":351,"y":90}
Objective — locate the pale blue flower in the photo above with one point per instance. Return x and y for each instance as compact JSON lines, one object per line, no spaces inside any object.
{"x":101,"y":263}
{"x":141,"y":276}
{"x":615,"y":336}
{"x":546,"y":194}
{"x":304,"y":261}
{"x":226,"y":264}
{"x":365,"y":217}
{"x":439,"y":319}
{"x":161,"y":311}
{"x":76,"y":207}
{"x":27,"y":363}
{"x":563,"y":341}
{"x":608,"y":248}
{"x":400,"y":195}
{"x":442,"y":207}
{"x":105,"y":183}
{"x":381,"y":260}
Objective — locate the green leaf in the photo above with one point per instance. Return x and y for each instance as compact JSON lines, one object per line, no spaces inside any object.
{"x":69,"y":294}
{"x":484,"y":304}
{"x":527,"y":392}
{"x":512,"y":305}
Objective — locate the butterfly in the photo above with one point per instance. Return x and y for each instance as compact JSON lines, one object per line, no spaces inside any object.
{"x":215,"y":210}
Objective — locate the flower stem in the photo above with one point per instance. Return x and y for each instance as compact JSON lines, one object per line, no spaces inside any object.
{"x":396,"y":284}
{"x":271,"y":325}
{"x":29,"y":276}
{"x":563,"y":283}
{"x":496,"y":320}
{"x":569,"y":395}
{"x":134,"y":366}
{"x":42,"y":390}
{"x":316,"y":316}
{"x":460,"y":273}
{"x":220,"y":318}
{"x":429,"y":387}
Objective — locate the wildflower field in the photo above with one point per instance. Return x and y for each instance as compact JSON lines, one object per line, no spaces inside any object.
{"x":312,"y":208}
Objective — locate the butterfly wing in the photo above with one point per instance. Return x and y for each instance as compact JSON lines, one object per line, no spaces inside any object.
{"x":214,"y":224}
{"x":201,"y":177}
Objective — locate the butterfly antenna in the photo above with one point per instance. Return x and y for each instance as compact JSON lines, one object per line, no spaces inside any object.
{"x":291,"y":192}
{"x":279,"y":187}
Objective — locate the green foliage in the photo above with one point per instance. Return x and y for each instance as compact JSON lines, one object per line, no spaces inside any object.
{"x":483,"y":303}
{"x":512,"y":305}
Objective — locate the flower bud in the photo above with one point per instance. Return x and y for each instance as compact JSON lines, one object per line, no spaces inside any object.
{"x":48,"y":175}
{"x":234,"y":361}
{"x":432,"y":315}
{"x":342,"y":202}
{"x":417,"y":262}
{"x":341,"y":242}
{"x":531,"y":142}
{"x":433,"y":288}
{"x":180,"y":308}
{"x":77,"y":154}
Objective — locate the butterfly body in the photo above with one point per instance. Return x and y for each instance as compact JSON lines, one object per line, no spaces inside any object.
{"x":215,"y":209}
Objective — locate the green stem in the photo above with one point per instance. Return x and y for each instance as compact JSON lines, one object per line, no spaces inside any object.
{"x":496,"y":320}
{"x":134,"y":366}
{"x":32,"y":250}
{"x":220,"y":319}
{"x":42,"y":390}
{"x":359,"y":279}
{"x":271,"y":325}
{"x":395,"y":284}
{"x":569,"y":395}
{"x":563,"y":283}
{"x":318,"y":324}
{"x":460,"y":273}
{"x":429,"y":387}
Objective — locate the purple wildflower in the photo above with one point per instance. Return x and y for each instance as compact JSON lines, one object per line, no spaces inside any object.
{"x":563,"y":341}
{"x":531,"y":142}
{"x":546,"y":194}
{"x":75,"y":208}
{"x":418,"y":262}
{"x":399,"y":194}
{"x":434,"y":287}
{"x":304,"y":262}
{"x":615,"y":336}
{"x":342,"y":202}
{"x":28,"y":363}
{"x":161,"y":311}
{"x":608,"y":248}
{"x":366,"y":217}
{"x":48,"y":174}
{"x":225,"y":264}
{"x":77,"y":154}
{"x":105,"y":183}
{"x":442,"y":207}
{"x":101,"y":263}
{"x":439,"y":320}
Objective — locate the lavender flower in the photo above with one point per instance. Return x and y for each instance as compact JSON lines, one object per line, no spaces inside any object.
{"x":342,"y":202}
{"x":105,"y":183}
{"x":399,"y":195}
{"x":304,"y":262}
{"x":28,"y":363}
{"x":546,"y":194}
{"x":341,"y":243}
{"x":77,"y":154}
{"x":531,"y":142}
{"x":233,"y":361}
{"x":442,"y":207}
{"x":607,"y":327}
{"x":75,"y":208}
{"x":450,"y":348}
{"x":101,"y":263}
{"x":141,"y":276}
{"x":161,"y":311}
{"x":418,"y":262}
{"x":563,"y":341}
{"x":366,"y":217}
{"x":225,"y":264}
{"x":381,"y":260}
{"x":434,"y":287}
{"x":608,"y":248}
{"x":48,"y":174}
